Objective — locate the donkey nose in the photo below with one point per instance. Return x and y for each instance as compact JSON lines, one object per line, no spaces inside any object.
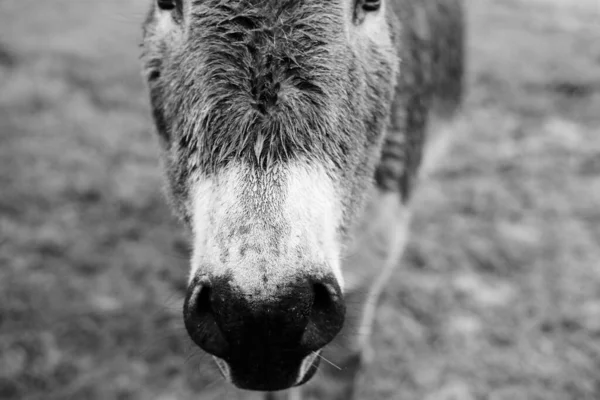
{"x":300,"y":317}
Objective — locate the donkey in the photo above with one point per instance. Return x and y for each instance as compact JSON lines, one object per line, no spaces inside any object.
{"x":292,"y":134}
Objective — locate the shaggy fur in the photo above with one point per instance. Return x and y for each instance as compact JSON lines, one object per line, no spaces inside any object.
{"x":268,"y":83}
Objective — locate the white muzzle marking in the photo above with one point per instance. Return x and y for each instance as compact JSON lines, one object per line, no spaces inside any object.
{"x":288,"y":219}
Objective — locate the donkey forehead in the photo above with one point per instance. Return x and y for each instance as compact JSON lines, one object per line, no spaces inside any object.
{"x":296,"y":42}
{"x":267,"y":81}
{"x":253,"y":14}
{"x":294,"y":27}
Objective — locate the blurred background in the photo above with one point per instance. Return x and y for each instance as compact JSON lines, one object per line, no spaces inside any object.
{"x":498,"y":296}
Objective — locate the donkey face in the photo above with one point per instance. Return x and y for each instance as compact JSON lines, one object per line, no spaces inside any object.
{"x":271,"y":115}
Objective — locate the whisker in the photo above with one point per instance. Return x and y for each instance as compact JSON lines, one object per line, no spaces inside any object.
{"x":326,"y":360}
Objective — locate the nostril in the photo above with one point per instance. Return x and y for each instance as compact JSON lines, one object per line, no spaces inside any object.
{"x":200,"y":322}
{"x":203,"y":303}
{"x":326,"y":316}
{"x":323,"y":298}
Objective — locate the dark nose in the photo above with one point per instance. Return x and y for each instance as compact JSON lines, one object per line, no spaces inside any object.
{"x":267,"y":330}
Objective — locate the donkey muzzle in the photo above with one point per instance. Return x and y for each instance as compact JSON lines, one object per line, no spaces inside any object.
{"x":264,"y":341}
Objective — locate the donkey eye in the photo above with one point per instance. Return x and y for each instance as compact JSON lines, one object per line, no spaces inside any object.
{"x":166,"y":4}
{"x":371,"y":5}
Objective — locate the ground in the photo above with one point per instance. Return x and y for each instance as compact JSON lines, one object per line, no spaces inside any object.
{"x":497,"y":297}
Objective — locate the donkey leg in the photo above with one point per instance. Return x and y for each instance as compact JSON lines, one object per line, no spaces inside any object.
{"x":380,"y":243}
{"x":343,"y":360}
{"x":352,"y":352}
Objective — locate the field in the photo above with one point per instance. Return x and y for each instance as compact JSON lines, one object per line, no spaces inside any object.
{"x":498,"y":295}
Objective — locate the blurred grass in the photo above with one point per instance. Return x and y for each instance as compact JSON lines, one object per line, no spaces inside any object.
{"x":499,"y":293}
